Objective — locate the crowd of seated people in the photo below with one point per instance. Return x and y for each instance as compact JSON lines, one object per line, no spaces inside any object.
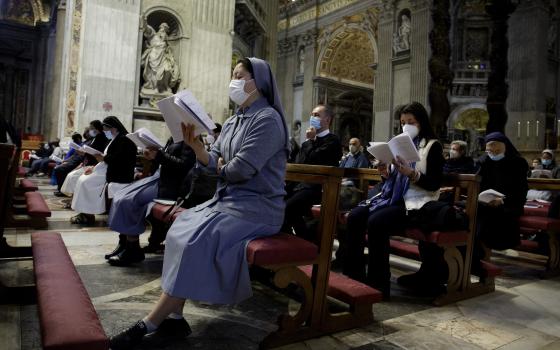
{"x":235,"y":178}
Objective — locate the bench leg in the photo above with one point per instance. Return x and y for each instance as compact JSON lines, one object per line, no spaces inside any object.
{"x":456,"y":266}
{"x":292,"y":328}
{"x":553,"y":263}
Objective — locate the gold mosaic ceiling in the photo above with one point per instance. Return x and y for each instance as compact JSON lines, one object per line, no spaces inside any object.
{"x":349,"y":56}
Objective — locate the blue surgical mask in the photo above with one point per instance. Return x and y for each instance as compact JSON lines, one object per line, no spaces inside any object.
{"x":315,"y":122}
{"x":108,"y":134}
{"x":496,"y":157}
{"x":546,"y":161}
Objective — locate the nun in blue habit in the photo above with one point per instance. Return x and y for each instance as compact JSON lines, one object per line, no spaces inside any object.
{"x":205,"y":248}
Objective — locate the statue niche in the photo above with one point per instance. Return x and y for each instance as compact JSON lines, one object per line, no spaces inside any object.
{"x":160,"y":71}
{"x":401,"y":38}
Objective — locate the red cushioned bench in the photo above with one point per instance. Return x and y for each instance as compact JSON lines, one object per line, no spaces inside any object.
{"x":67,"y":317}
{"x":21,"y":171}
{"x":459,"y":284}
{"x":547,"y":226}
{"x":36,"y":205}
{"x":27,"y":185}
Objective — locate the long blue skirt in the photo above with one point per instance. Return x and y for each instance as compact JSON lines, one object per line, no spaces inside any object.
{"x":205,"y":256}
{"x":128,"y":210}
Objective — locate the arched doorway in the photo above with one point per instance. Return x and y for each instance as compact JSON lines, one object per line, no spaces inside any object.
{"x":345,"y":79}
{"x":468,"y":123}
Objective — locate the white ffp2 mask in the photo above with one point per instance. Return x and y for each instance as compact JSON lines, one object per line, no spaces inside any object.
{"x":237,"y":91}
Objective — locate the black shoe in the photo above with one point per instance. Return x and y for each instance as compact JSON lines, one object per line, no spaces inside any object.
{"x":118,"y":249}
{"x":129,"y":255}
{"x":170,"y":329}
{"x":59,"y":194}
{"x":154,"y":249}
{"x":129,"y":338}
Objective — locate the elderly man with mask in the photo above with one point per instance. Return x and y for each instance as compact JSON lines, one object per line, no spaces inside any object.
{"x":459,"y":162}
{"x":356,"y":157}
{"x":321,"y":148}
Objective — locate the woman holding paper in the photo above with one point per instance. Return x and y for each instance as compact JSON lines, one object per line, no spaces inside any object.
{"x":503,"y":170}
{"x":408,"y":187}
{"x":97,"y":141}
{"x":205,"y":250}
{"x":116,"y":164}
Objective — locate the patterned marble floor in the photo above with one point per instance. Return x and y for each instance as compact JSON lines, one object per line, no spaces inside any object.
{"x":523,"y":313}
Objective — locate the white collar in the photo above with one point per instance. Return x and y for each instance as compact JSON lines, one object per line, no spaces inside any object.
{"x":323,"y":133}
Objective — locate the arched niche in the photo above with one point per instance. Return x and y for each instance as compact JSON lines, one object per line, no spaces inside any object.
{"x":155,"y":17}
{"x":349,"y":57}
{"x":468,"y":123}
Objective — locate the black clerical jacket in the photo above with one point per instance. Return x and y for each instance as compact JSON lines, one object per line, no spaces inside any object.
{"x":121,"y":160}
{"x":325,"y":150}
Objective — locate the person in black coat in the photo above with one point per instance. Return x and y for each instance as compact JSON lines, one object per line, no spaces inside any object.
{"x":321,"y":148}
{"x":119,"y":160}
{"x":504,"y":170}
{"x":130,"y":204}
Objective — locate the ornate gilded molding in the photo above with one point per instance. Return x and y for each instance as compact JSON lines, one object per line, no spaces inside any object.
{"x":313,"y":13}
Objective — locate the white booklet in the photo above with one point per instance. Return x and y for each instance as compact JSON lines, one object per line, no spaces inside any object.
{"x":92,"y":151}
{"x":184,"y":108}
{"x":489,"y":195}
{"x":145,"y":138}
{"x":400,"y":145}
{"x":75,"y":146}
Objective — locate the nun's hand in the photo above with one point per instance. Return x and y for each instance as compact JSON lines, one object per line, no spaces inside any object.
{"x":189,"y":137}
{"x":221,"y":163}
{"x":195,"y":143}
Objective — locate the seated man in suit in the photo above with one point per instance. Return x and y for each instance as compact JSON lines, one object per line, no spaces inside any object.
{"x":321,"y":148}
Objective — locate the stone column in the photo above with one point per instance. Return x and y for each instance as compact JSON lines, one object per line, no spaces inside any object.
{"x":54,"y":80}
{"x":209,"y":56}
{"x":528,"y":64}
{"x":309,"y":40}
{"x":382,"y":121}
{"x":420,"y":50}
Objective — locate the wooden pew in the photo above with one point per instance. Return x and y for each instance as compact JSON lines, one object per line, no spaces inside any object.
{"x":307,"y":264}
{"x":33,"y":205}
{"x":10,"y":294}
{"x":534,"y":221}
{"x":459,"y":285}
{"x":314,"y":318}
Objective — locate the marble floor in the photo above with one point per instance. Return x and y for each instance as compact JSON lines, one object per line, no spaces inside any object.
{"x":523,"y":312}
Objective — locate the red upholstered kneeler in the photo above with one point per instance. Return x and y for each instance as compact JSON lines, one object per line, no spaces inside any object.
{"x":67,"y":317}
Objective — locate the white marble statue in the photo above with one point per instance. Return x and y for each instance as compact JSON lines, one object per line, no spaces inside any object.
{"x":404,"y":32}
{"x":401,"y":39}
{"x":160,"y":71}
{"x":301,"y":60}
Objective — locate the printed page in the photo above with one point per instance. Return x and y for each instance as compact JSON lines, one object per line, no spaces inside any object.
{"x":172,"y":115}
{"x":136,"y":139}
{"x":188,"y":103}
{"x":74,"y":145}
{"x":402,"y":146}
{"x":149,"y":138}
{"x":489,"y":195}
{"x":381,"y":151}
{"x":92,"y":151}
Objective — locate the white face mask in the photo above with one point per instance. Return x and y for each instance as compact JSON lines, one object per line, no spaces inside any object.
{"x":92,"y":133}
{"x":353,"y":149}
{"x":411,"y":130}
{"x":108,"y":134}
{"x":453,"y":154}
{"x":237,"y":91}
